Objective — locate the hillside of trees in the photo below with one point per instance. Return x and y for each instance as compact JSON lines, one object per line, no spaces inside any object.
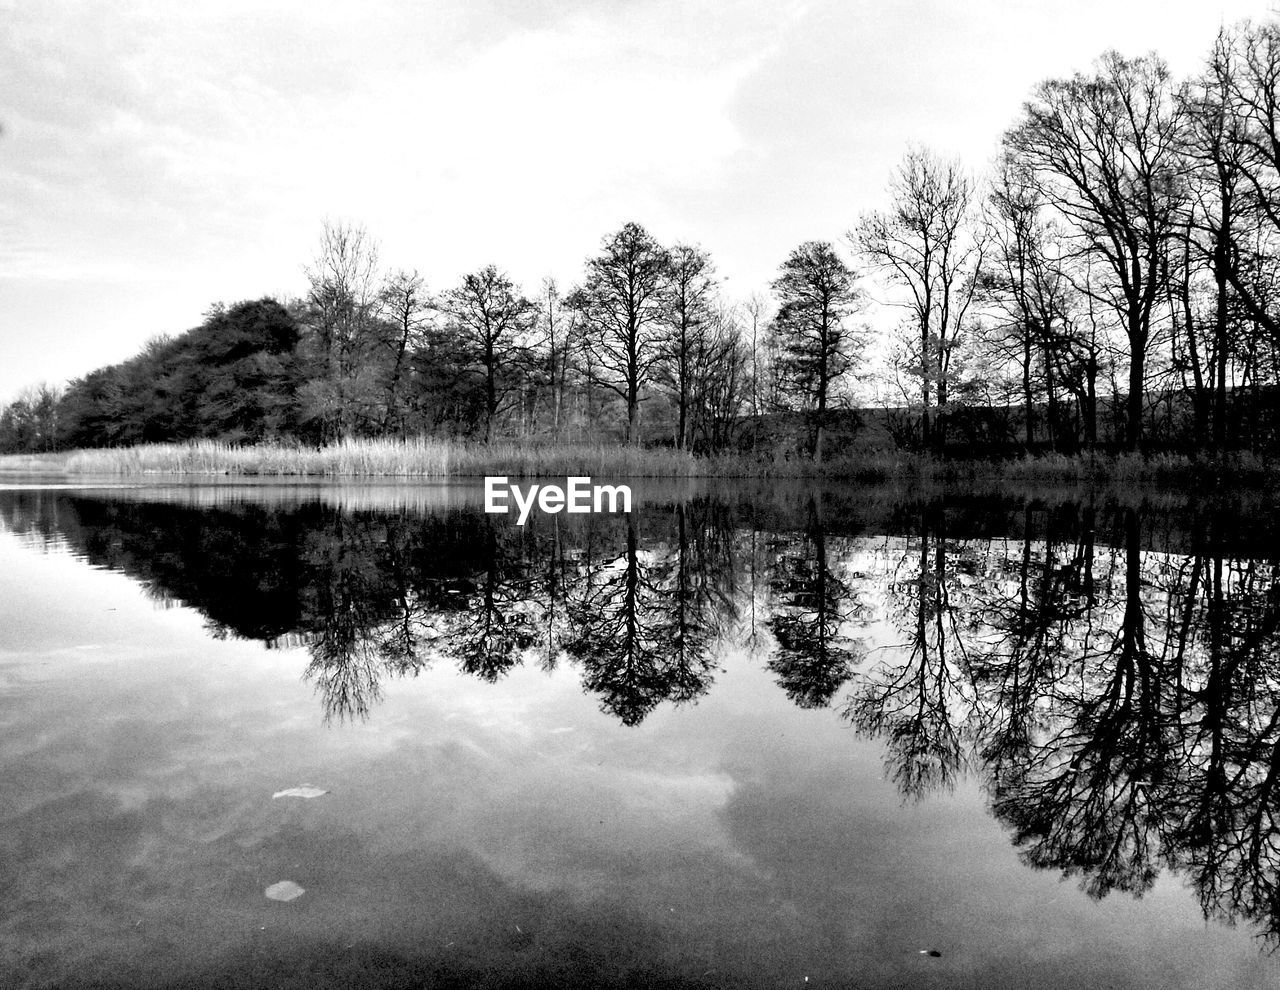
{"x":1112,"y":283}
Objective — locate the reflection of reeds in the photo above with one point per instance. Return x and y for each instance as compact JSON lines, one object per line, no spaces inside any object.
{"x":427,"y":458}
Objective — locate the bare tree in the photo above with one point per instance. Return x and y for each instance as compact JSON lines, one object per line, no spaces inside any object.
{"x":690,"y":310}
{"x":490,"y":317}
{"x":407,"y":307}
{"x":1105,"y":148}
{"x":558,"y":325}
{"x":1246,"y":74}
{"x":342,"y":312}
{"x":1233,"y":215}
{"x":928,"y":244}
{"x":622,"y":303}
{"x":1029,"y":294}
{"x":719,"y":379}
{"x":816,"y":295}
{"x":29,"y":424}
{"x":762,"y":396}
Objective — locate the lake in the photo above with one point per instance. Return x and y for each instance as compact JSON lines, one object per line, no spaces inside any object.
{"x":740,"y":737}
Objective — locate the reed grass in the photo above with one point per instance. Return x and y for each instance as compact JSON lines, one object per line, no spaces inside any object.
{"x":417,"y":458}
{"x":427,"y":458}
{"x":33,"y":463}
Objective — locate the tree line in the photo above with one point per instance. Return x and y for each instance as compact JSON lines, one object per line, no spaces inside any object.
{"x":1112,"y":283}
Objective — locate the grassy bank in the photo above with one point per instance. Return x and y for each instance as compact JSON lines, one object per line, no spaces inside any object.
{"x":364,"y":459}
{"x":445,"y":458}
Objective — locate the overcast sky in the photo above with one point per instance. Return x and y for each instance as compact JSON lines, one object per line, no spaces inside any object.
{"x":159,"y":157}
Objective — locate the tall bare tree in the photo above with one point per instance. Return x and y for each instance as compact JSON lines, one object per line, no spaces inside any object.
{"x":929,"y":245}
{"x":719,"y":380}
{"x":761,"y":394}
{"x":1030,"y":297}
{"x":343,"y":316}
{"x":558,"y":325}
{"x":29,"y":424}
{"x":1233,"y":217}
{"x":622,"y":304}
{"x":690,"y":311}
{"x":1246,"y":72}
{"x":491,"y":317}
{"x":816,"y":294}
{"x":1106,"y":148}
{"x":407,"y":308}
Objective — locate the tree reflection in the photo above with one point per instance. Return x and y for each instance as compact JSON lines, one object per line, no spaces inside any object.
{"x":349,"y":594}
{"x":1082,"y":800}
{"x":371,"y":595}
{"x":1118,"y":700}
{"x":813,"y":609}
{"x":494,"y":621}
{"x":641,"y":624}
{"x":913,"y":699}
{"x":1121,"y":704}
{"x":1028,"y":620}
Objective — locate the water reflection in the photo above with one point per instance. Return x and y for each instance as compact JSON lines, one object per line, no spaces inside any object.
{"x":813,"y":610}
{"x":1121,"y":704}
{"x":1113,"y":677}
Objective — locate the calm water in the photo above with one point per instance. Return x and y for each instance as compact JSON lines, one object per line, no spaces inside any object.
{"x":776,"y":739}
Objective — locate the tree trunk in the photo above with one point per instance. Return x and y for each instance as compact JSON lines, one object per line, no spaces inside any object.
{"x":633,"y":416}
{"x":1137,"y":368}
{"x":1221,"y":252}
{"x":684,"y":414}
{"x":490,"y":395}
{"x":1091,"y":411}
{"x":1054,"y":408}
{"x":1199,"y":395}
{"x":1026,"y":388}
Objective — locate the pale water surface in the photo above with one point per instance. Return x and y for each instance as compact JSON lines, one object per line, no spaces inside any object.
{"x":788,"y":738}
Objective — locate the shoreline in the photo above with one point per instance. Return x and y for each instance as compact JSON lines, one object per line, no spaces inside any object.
{"x":442,"y":459}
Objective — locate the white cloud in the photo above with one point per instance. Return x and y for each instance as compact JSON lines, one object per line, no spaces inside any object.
{"x":191,"y":151}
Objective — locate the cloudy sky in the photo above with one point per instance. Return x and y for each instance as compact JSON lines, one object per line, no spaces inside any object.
{"x":158,"y":157}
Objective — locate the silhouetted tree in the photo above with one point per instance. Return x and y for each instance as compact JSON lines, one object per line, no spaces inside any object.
{"x":928,"y":245}
{"x":622,"y":305}
{"x":1107,"y":148}
{"x":621,"y":633}
{"x":690,"y":311}
{"x":407,"y":308}
{"x":344,"y":332}
{"x":490,"y":319}
{"x":815,"y":607}
{"x":818,"y":347}
{"x":1033,"y":305}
